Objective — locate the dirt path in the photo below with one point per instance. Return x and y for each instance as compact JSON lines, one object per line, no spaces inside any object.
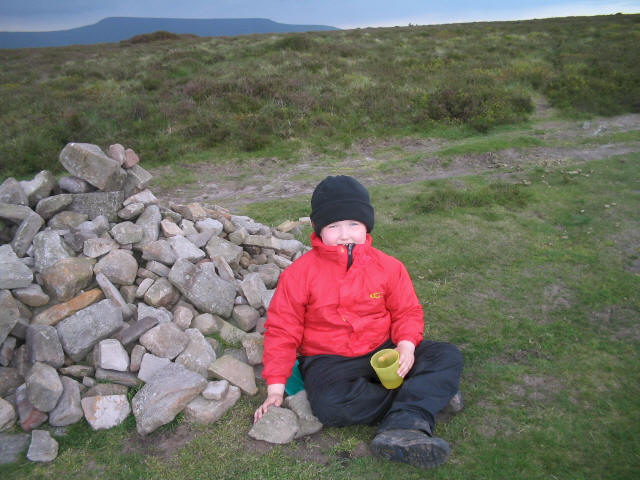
{"x":399,"y":161}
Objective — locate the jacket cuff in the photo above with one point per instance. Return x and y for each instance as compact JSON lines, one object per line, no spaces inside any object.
{"x":272,"y":380}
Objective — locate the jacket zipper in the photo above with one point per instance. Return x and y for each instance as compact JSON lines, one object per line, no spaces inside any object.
{"x":350,"y":247}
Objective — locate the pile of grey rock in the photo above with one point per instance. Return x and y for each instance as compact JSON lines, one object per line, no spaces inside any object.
{"x":107,"y":295}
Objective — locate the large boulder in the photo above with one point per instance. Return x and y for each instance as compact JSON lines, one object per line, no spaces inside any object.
{"x":80,"y":332}
{"x":164,"y":396}
{"x":67,"y":277}
{"x":90,"y":163}
{"x":202,"y":286}
{"x":44,"y":387}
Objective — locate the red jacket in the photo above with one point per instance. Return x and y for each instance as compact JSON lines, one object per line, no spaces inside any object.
{"x":320,"y":307}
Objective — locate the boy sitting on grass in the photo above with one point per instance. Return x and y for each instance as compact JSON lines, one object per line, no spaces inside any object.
{"x":335,"y":307}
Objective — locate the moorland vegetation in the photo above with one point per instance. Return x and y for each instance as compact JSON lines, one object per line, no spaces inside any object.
{"x":530,"y":263}
{"x":172,"y":97}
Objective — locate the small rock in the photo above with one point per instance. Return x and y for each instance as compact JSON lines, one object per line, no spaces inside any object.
{"x":216,"y":390}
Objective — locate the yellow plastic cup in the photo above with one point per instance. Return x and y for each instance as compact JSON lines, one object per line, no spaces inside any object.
{"x":385,"y":364}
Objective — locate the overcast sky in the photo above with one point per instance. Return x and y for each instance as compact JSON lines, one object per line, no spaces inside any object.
{"x":31,"y":15}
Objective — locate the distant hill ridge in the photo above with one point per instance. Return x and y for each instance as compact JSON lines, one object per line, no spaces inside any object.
{"x":115,"y":29}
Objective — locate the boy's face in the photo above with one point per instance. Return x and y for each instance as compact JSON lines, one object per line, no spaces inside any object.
{"x":343,"y":232}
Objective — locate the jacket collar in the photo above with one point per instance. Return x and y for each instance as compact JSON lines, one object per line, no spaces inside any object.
{"x":337,"y":253}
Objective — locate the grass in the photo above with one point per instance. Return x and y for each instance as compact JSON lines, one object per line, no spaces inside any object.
{"x":172,"y":98}
{"x":532,"y":282}
{"x":534,"y":278}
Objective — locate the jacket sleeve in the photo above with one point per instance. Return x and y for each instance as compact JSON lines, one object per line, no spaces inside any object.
{"x":284,"y":327}
{"x":407,"y":316}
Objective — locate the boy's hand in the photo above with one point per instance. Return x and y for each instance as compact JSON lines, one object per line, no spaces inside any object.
{"x":405,"y":348}
{"x":275,"y":396}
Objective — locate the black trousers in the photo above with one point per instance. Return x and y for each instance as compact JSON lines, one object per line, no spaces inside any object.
{"x":346,"y":391}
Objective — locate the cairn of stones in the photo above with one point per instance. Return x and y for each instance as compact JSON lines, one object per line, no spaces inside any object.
{"x":104,"y":289}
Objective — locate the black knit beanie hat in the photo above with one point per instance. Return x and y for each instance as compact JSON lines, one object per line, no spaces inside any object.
{"x":340,"y":198}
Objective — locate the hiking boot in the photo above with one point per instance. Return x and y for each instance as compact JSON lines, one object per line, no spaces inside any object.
{"x":411,"y":446}
{"x":455,"y":405}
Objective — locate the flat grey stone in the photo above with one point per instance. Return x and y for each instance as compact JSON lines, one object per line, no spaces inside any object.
{"x":31,"y":295}
{"x":131,"y":334}
{"x":39,"y":187}
{"x":277,"y":425}
{"x":77,"y":371}
{"x":43,"y":448}
{"x":150,"y":365}
{"x":235,"y":372}
{"x":97,"y":247}
{"x":112,"y":355}
{"x":48,"y":207}
{"x":44,"y":387}
{"x":25,"y":234}
{"x":307,"y":421}
{"x":80,"y":332}
{"x":14,"y":273}
{"x":43,"y":345}
{"x":245,"y":317}
{"x":131,"y":212}
{"x":29,"y":416}
{"x":67,"y":277}
{"x":206,"y":323}
{"x":103,"y":412}
{"x":253,"y":287}
{"x":198,"y":354}
{"x":123,"y":378}
{"x":137,"y":179}
{"x":9,"y":314}
{"x":94,"y":204}
{"x":203,"y":411}
{"x":48,"y":248}
{"x":12,"y":446}
{"x":202,"y":286}
{"x":229,"y":251}
{"x":10,"y":380}
{"x":137,"y":354}
{"x":164,"y":396}
{"x":90,"y":163}
{"x":11,"y":192}
{"x":165,"y":340}
{"x":8,"y":415}
{"x":73,"y":184}
{"x":106,"y":389}
{"x":68,"y":410}
{"x":253,"y":344}
{"x":119,"y":266}
{"x":7,"y":348}
{"x":160,"y":251}
{"x":127,"y":232}
{"x":161,"y":294}
{"x":149,"y":220}
{"x":216,"y":390}
{"x":184,"y":249}
{"x":161,"y":314}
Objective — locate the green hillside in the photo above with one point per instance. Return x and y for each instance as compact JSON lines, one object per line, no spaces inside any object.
{"x":278,"y":95}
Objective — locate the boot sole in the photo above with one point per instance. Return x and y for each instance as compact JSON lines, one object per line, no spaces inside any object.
{"x":416,"y":449}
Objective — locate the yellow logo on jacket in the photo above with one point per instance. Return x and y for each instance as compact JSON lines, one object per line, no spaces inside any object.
{"x":376,"y":295}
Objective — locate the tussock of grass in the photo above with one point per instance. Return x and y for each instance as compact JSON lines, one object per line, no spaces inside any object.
{"x":448,"y":198}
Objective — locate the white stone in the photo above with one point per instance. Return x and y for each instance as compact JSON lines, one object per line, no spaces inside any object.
{"x":106,"y":411}
{"x":112,"y":355}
